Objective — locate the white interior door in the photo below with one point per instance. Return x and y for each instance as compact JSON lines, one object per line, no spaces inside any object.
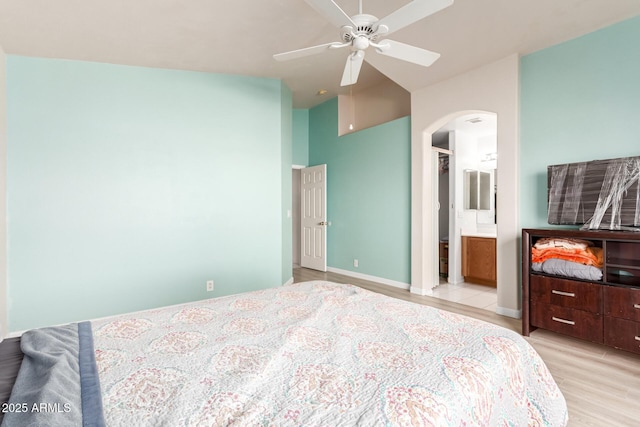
{"x":314,"y":218}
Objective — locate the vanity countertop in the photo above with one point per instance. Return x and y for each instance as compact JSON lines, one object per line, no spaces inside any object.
{"x":479,"y":234}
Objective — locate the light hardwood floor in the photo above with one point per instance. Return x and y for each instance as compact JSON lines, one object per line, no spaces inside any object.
{"x":601,"y":384}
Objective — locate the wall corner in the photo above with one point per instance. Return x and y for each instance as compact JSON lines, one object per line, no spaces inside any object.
{"x":4,"y":318}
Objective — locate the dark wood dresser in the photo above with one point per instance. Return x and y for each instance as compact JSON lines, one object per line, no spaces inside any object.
{"x":605,"y":311}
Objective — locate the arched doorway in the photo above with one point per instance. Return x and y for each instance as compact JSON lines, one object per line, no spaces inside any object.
{"x":424,"y":265}
{"x":464,"y":187}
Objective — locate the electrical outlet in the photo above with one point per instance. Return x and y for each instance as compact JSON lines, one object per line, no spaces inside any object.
{"x":355,"y":262}
{"x":209,"y":285}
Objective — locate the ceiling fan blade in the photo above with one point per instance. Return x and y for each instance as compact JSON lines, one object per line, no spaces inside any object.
{"x":410,"y":13}
{"x":301,"y":53}
{"x":332,"y":12}
{"x":407,"y":53}
{"x":352,"y":68}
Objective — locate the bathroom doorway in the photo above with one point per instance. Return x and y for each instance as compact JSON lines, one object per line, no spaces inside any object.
{"x":466,"y":150}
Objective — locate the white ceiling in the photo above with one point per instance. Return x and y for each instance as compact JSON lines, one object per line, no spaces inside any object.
{"x":240,"y":37}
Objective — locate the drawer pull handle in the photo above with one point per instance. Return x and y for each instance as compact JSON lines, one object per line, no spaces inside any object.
{"x":637,"y":338}
{"x":564,"y":294}
{"x":636,"y":306}
{"x":567,"y":322}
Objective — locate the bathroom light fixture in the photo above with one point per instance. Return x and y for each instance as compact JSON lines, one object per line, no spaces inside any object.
{"x":489,"y":157}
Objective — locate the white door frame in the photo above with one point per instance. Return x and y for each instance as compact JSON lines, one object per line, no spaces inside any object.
{"x":435,"y":151}
{"x":295,"y":215}
{"x":435,"y":202}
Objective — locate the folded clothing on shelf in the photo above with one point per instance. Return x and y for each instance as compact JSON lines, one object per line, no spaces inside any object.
{"x":573,"y":250}
{"x":560,"y":267}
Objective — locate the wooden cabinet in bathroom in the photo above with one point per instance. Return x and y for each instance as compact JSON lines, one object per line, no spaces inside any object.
{"x":479,"y":260}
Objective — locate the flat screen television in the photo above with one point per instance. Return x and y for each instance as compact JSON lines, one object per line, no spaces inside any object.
{"x":600,"y":194}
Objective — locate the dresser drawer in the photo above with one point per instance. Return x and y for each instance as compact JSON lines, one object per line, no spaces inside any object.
{"x":621,"y":333}
{"x":566,"y":293}
{"x":577,"y":323}
{"x":622,"y":302}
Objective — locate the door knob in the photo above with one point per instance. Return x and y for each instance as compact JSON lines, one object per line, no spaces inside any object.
{"x":323,"y":223}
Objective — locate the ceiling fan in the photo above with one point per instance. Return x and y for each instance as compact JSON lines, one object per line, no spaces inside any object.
{"x":361,"y":31}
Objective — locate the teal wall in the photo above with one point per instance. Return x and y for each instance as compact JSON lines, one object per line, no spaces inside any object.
{"x":129,"y":187}
{"x":301,"y":137}
{"x":368,"y":193}
{"x":580,"y":101}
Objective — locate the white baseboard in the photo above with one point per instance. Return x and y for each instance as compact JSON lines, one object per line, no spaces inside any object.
{"x":382,"y":280}
{"x":288,"y":282}
{"x":421,"y":291}
{"x":509,"y":312}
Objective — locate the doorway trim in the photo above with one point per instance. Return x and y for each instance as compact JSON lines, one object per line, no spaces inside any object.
{"x":295,"y":214}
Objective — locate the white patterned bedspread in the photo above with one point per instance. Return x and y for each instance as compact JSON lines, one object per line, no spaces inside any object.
{"x":319,"y":354}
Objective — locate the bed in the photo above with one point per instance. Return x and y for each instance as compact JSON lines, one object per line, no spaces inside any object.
{"x":307,"y":354}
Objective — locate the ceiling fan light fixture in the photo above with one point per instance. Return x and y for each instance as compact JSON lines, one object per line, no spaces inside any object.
{"x":360,"y":43}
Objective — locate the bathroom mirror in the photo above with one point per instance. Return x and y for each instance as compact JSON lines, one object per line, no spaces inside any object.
{"x":477,"y":190}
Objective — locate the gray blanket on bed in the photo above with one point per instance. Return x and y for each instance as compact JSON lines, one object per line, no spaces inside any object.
{"x":57,"y":383}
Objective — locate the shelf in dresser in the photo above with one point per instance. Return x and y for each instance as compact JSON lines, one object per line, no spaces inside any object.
{"x":622,"y":280}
